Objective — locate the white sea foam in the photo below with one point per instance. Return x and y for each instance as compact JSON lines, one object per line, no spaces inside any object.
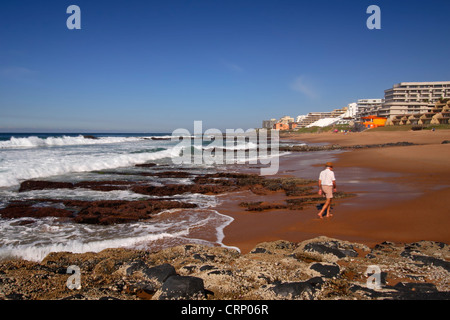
{"x":34,"y":141}
{"x":34,"y":241}
{"x":72,"y":194}
{"x":39,"y":251}
{"x":231,"y":147}
{"x":41,"y":164}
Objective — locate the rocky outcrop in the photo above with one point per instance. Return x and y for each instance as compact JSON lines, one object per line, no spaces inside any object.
{"x":19,"y":209}
{"x":308,"y":148}
{"x":299,"y":193}
{"x":308,"y":199}
{"x":41,"y":185}
{"x":182,"y":287}
{"x":109,"y":212}
{"x":88,"y":136}
{"x":103,"y":212}
{"x":320,"y":268}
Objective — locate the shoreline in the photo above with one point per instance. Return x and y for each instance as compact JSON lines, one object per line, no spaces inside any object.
{"x":389,"y":188}
{"x":402,"y":193}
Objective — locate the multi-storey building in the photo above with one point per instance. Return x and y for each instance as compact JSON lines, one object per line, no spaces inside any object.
{"x":313,"y":117}
{"x":368,"y":107}
{"x":286,"y":120}
{"x":413,"y":97}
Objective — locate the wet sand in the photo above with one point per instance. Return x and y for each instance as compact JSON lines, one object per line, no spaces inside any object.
{"x":402,"y":193}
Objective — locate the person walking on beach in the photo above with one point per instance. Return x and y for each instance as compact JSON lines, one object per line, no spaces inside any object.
{"x":327,"y":185}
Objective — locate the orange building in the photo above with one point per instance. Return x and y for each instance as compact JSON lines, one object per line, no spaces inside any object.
{"x":281,"y":126}
{"x":374,"y":121}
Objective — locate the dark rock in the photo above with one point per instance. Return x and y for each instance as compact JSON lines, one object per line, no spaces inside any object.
{"x":416,"y":287}
{"x":259,"y":250}
{"x":107,"y":298}
{"x":206,"y":267}
{"x":324,"y":249}
{"x":416,"y":278}
{"x":221,"y":272}
{"x":160,"y":273}
{"x":160,"y":138}
{"x":308,"y":148}
{"x":88,"y":136}
{"x":406,"y":254}
{"x":445,"y":141}
{"x":77,"y":296}
{"x":170,"y":190}
{"x":404,"y":291}
{"x":429,"y":261}
{"x":26,"y":209}
{"x":61,"y":270}
{"x":426,"y":260}
{"x":326,"y":270}
{"x":294,"y":290}
{"x":14,"y":296}
{"x":204,"y":257}
{"x":146,"y":165}
{"x":41,"y":185}
{"x":354,"y":288}
{"x":117,"y":211}
{"x":182,"y":287}
{"x":383,"y":277}
{"x":316,"y":282}
{"x":385,"y":246}
{"x":424,"y":296}
{"x":349,"y":252}
{"x":190,"y":269}
{"x":209,"y":292}
{"x":261,"y":206}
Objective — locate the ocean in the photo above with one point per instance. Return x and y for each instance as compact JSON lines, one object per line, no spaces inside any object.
{"x":99,"y":157}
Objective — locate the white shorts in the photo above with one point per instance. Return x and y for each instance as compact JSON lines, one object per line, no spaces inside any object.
{"x":328,"y":191}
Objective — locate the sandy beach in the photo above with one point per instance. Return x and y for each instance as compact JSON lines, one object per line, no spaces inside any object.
{"x":402,"y":192}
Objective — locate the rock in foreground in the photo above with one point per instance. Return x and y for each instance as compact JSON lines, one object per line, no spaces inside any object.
{"x":320,"y":268}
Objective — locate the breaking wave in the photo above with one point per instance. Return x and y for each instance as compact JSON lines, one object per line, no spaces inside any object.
{"x":36,"y":239}
{"x":36,"y":142}
{"x":50,"y":165}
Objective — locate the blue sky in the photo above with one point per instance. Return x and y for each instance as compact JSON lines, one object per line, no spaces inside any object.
{"x":154,"y":66}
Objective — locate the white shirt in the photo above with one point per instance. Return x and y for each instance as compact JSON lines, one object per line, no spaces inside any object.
{"x":327,"y":177}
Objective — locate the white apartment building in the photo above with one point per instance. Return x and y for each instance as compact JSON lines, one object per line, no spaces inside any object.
{"x":351,"y":110}
{"x":369,"y":107}
{"x":300,"y":118}
{"x":312,"y":117}
{"x":286,"y":120}
{"x":413,"y":97}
